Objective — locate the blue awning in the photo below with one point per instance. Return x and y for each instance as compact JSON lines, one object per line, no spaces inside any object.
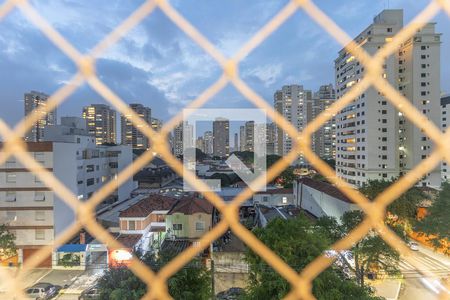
{"x":72,"y":248}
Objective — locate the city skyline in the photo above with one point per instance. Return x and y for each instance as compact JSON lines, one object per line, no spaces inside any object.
{"x":134,"y":75}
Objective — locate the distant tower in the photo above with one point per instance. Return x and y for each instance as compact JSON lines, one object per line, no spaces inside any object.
{"x":37,"y":100}
{"x":221,"y":137}
{"x":101,"y":123}
{"x":131,"y":135}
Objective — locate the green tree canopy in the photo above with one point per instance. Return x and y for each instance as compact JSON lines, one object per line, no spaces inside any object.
{"x":436,"y":223}
{"x":7,"y":242}
{"x":192,"y":282}
{"x":372,"y":252}
{"x":405,"y":206}
{"x":298,"y":242}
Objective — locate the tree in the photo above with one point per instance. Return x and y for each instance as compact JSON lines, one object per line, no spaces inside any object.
{"x":435,"y":224}
{"x":297,"y":241}
{"x":371,"y":253}
{"x":405,"y":206}
{"x":271,"y":159}
{"x":7,"y":242}
{"x":287,"y":177}
{"x":191,"y":282}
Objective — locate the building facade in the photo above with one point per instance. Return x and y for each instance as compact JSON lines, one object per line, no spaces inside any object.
{"x":131,"y":135}
{"x":445,"y":124}
{"x":37,"y":101}
{"x":101,"y":123}
{"x":294,"y":103}
{"x":249,"y":136}
{"x":324,"y":139}
{"x":31,"y":210}
{"x":221,"y":137}
{"x":373,"y":139}
{"x":208,"y":142}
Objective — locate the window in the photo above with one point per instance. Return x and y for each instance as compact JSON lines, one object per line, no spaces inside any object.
{"x":39,"y":196}
{"x":39,"y":157}
{"x":11,"y":177}
{"x":177,"y":226}
{"x":389,"y":29}
{"x":199,"y":226}
{"x":90,"y":181}
{"x":39,"y":216}
{"x":10,"y":196}
{"x":37,"y":179}
{"x":11,"y":216}
{"x":131,"y":225}
{"x":39,"y":234}
{"x":10,"y":163}
{"x":89,"y":168}
{"x":284,"y":199}
{"x":265,"y":198}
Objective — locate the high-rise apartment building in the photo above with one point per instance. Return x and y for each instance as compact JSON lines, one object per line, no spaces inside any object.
{"x":131,"y":135}
{"x":37,"y":100}
{"x":324,"y":139}
{"x":294,"y":103}
{"x":445,"y":124}
{"x":31,"y":210}
{"x":208,"y":142}
{"x":178,"y":140}
{"x":271,"y":138}
{"x":249,"y":136}
{"x":242,"y":138}
{"x":221,"y":137}
{"x":373,"y":139}
{"x":156,"y":124}
{"x":236,"y":142}
{"x":101,"y":123}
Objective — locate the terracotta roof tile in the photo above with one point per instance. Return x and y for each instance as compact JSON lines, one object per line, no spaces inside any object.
{"x":146,"y":206}
{"x":191,"y":205}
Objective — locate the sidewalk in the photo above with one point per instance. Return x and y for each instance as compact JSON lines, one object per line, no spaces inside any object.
{"x":388,"y":288}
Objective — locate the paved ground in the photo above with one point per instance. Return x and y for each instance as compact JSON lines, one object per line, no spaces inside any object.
{"x":419,"y":288}
{"x":31,"y":278}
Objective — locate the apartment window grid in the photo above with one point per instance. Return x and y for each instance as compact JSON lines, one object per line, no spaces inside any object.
{"x":300,"y":283}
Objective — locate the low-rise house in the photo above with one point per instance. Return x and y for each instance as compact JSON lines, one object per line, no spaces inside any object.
{"x":320,"y":198}
{"x":142,"y":225}
{"x":274,"y":197}
{"x":189,"y":218}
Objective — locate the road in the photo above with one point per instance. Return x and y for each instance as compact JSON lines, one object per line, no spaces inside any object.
{"x":415,"y":285}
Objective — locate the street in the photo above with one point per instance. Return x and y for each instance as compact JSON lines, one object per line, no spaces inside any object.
{"x":419,"y":288}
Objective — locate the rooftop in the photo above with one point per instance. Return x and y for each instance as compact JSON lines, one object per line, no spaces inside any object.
{"x":326,"y":188}
{"x":147,"y":205}
{"x":191,"y":205}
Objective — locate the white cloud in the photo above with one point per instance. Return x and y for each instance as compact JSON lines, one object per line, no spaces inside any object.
{"x":268,"y":74}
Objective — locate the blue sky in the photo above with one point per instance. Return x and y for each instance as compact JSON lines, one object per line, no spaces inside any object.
{"x":157,"y":65}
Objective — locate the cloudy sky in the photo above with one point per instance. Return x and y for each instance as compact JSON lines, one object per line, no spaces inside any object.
{"x":156,"y":64}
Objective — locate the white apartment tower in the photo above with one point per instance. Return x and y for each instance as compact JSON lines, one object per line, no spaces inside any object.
{"x":208,"y":142}
{"x":32,"y":210}
{"x":295,"y":104}
{"x":374,"y":140}
{"x":101,"y":123}
{"x":131,"y":135}
{"x":37,"y":100}
{"x":324,"y":139}
{"x":445,"y":124}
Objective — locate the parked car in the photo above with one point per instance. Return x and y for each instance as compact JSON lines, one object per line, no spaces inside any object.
{"x":90,"y":293}
{"x":42,"y":291}
{"x":414,"y":246}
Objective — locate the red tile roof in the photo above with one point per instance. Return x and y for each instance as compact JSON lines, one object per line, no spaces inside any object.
{"x":326,"y":188}
{"x":146,"y":206}
{"x":191,"y":205}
